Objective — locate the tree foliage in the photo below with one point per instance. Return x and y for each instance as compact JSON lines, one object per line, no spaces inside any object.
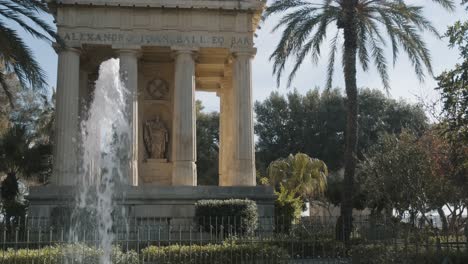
{"x":396,"y":174}
{"x":415,"y":174}
{"x":15,"y":55}
{"x":207,"y":146}
{"x":314,"y":124}
{"x":299,"y":174}
{"x":25,"y":146}
{"x":306,"y":24}
{"x":453,"y":85}
{"x":362,"y":24}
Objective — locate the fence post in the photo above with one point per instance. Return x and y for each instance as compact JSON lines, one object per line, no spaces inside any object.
{"x":466,"y":236}
{"x":438,"y":245}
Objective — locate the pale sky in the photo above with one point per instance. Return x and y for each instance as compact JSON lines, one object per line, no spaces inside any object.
{"x":404,"y":83}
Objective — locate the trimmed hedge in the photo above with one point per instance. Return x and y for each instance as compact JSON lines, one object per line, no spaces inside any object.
{"x":387,"y":254}
{"x":65,"y":254}
{"x":216,"y":254}
{"x":176,"y":254}
{"x":232,"y":216}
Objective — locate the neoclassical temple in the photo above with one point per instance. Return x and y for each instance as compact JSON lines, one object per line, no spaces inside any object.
{"x":168,"y":50}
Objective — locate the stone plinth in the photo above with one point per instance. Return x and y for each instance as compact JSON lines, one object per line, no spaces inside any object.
{"x":156,"y":172}
{"x":155,"y":201}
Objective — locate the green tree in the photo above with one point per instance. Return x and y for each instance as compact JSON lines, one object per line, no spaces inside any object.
{"x":314,"y":124}
{"x":449,"y":164}
{"x":415,"y":174}
{"x":5,"y":106}
{"x":453,"y":86}
{"x":20,"y":154}
{"x":15,"y":55}
{"x":26,"y":146}
{"x":361,"y":23}
{"x":207,"y":146}
{"x":397,"y":175}
{"x":20,"y":157}
{"x":299,"y":174}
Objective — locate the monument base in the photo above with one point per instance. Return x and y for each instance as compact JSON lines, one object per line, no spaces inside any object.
{"x":156,"y":172}
{"x":154,"y":201}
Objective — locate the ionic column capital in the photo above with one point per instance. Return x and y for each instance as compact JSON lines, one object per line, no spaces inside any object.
{"x":178,"y":51}
{"x":129,"y":52}
{"x":59,"y":49}
{"x":244,"y":52}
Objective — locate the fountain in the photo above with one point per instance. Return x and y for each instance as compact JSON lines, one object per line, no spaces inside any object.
{"x":105,"y":159}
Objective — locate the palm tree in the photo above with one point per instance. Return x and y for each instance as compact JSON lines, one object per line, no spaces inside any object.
{"x":361,"y":23}
{"x":299,"y":174}
{"x":15,"y":56}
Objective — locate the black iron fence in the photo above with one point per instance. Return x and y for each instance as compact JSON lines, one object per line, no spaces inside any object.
{"x":219,"y":240}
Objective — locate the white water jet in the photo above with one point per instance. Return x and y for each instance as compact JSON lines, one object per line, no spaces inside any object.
{"x":106,"y":134}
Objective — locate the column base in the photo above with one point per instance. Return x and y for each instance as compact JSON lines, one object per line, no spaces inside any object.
{"x":245,"y":174}
{"x":184,"y":173}
{"x":242,"y":173}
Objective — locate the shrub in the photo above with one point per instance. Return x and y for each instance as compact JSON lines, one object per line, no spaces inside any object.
{"x":224,"y":253}
{"x":387,"y":254}
{"x":232,"y":216}
{"x":288,"y":210}
{"x":303,"y":249}
{"x":79,"y":254}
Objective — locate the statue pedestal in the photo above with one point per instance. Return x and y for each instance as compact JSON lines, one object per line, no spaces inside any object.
{"x":156,"y":172}
{"x":154,"y":201}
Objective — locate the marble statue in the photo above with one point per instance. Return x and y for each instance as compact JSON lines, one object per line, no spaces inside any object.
{"x":155,"y":137}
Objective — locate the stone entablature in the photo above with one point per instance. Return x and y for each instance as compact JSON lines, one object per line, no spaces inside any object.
{"x":76,"y":38}
{"x":79,"y":25}
{"x":214,"y":4}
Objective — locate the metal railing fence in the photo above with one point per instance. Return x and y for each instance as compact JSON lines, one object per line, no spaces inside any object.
{"x":217,"y":240}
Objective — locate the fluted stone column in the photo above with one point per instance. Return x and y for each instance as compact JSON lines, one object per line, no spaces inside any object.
{"x":184,"y":172}
{"x":226,"y":135}
{"x":66,"y":119}
{"x":129,"y":73}
{"x":243,"y":171}
{"x":83,"y":93}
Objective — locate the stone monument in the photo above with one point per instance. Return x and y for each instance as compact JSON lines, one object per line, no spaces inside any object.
{"x":168,"y":49}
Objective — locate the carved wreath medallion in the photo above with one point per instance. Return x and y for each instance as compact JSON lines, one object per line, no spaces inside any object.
{"x":158,"y":89}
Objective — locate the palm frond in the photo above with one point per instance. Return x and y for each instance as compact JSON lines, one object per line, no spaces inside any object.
{"x":304,"y":21}
{"x":331,"y":60}
{"x":387,"y":22}
{"x":32,"y":10}
{"x":447,"y":4}
{"x":279,"y":6}
{"x":16,"y":55}
{"x":14,"y":13}
{"x":299,"y":174}
{"x":362,"y":46}
{"x":18,"y":58}
{"x":306,"y":24}
{"x":380,"y":62}
{"x":404,"y":13}
{"x":35,"y":5}
{"x":312,"y":46}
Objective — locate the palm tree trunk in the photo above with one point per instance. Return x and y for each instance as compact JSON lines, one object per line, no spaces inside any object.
{"x":349,"y":68}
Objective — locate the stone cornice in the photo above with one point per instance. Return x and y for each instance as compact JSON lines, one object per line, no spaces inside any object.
{"x":253,"y":5}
